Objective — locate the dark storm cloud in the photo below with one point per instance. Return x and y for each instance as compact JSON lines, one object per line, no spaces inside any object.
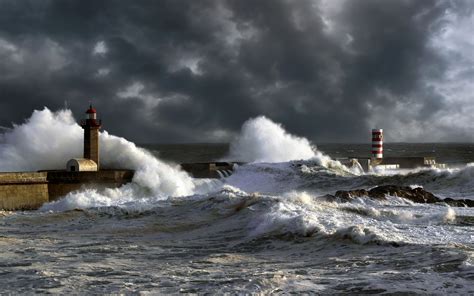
{"x":175,"y":70}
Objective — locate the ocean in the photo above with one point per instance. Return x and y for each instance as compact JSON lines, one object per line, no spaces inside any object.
{"x":265,"y":229}
{"x":453,"y":154}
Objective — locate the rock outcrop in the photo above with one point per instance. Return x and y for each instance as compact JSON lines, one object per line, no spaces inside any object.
{"x":417,"y":195}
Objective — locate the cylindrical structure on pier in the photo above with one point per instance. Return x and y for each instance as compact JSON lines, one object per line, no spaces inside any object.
{"x":377,"y":144}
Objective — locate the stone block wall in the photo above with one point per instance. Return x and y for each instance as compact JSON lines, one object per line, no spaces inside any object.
{"x":23,"y":191}
{"x":62,"y":182}
{"x":23,"y":196}
{"x":208,"y":169}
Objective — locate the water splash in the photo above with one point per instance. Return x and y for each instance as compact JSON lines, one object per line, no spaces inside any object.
{"x":262,"y":140}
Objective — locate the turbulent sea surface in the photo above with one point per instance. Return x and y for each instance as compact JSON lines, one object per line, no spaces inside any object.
{"x":264,"y":229}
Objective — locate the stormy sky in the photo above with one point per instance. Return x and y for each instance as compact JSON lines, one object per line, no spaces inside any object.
{"x":194,"y":71}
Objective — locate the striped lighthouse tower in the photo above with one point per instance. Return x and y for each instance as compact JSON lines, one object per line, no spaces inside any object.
{"x":377,"y":144}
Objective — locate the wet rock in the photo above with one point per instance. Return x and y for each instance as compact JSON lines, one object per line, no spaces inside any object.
{"x":329,"y":198}
{"x":459,"y":202}
{"x":350,"y":194}
{"x":417,"y":195}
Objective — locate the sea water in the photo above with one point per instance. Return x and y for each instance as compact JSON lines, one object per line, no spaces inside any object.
{"x":264,"y":229}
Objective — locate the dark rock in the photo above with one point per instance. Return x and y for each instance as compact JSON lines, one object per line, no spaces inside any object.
{"x":418,"y":195}
{"x":349,"y":195}
{"x":328,"y":197}
{"x":459,"y":202}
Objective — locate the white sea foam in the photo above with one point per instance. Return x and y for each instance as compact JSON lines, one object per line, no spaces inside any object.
{"x":298,"y":214}
{"x":302,"y":214}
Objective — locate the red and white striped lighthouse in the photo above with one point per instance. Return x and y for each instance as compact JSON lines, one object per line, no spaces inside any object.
{"x":377,"y":144}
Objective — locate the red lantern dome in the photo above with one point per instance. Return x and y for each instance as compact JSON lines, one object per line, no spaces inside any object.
{"x":91,"y":110}
{"x":91,"y":118}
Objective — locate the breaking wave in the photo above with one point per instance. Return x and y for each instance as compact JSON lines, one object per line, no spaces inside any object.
{"x":263,"y":141}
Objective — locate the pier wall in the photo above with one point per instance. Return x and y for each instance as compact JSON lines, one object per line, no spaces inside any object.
{"x":30,"y":190}
{"x":410,"y":162}
{"x":213,"y":170}
{"x":23,"y":191}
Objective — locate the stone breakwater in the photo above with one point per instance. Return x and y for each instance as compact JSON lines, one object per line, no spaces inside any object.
{"x":30,"y":190}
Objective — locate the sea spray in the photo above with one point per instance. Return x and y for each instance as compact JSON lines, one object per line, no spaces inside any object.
{"x":262,"y":140}
{"x":161,"y":178}
{"x":48,"y":139}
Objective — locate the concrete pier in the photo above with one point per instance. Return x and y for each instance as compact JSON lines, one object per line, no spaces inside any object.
{"x":409,"y":162}
{"x":412,"y":162}
{"x":23,"y":191}
{"x":214,"y":170}
{"x":30,"y":190}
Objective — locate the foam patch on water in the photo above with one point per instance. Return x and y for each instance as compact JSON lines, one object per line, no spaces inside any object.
{"x":404,"y":215}
{"x":285,"y":218}
{"x":276,"y":178}
{"x":297,"y":214}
